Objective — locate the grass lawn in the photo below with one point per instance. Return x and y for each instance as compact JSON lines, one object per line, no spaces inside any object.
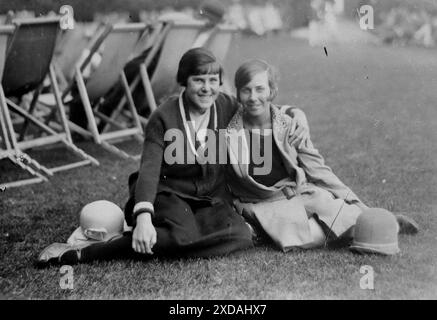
{"x":373,"y":115}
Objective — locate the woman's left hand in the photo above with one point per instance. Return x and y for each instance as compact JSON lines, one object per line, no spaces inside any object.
{"x":300,"y":132}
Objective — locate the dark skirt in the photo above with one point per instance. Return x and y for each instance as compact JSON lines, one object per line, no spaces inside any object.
{"x":185,"y":228}
{"x":197,"y":227}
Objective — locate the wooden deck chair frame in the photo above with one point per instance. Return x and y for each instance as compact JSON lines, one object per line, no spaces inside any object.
{"x":169,"y":42}
{"x":219,"y":44}
{"x":63,"y":135}
{"x":69,"y":48}
{"x":17,"y":157}
{"x":91,"y":111}
{"x":180,"y":38}
{"x":148,"y":39}
{"x":157,"y":38}
{"x":99,"y":36}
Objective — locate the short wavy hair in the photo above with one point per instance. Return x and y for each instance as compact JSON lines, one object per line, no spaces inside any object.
{"x":198,"y":61}
{"x":249,"y":69}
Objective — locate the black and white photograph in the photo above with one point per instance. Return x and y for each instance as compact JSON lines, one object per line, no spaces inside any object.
{"x":233,"y":152}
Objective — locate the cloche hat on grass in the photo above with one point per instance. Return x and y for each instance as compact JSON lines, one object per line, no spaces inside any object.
{"x":376,"y":231}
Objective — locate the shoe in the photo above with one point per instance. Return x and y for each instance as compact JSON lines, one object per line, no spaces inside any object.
{"x":257,"y":239}
{"x":406,"y":225}
{"x":57,"y":254}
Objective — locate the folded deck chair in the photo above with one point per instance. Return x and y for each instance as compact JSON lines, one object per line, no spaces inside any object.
{"x":24,"y":73}
{"x":17,"y":157}
{"x":117,"y":44}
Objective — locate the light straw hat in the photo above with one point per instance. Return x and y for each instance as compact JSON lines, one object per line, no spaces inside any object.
{"x":101,"y":220}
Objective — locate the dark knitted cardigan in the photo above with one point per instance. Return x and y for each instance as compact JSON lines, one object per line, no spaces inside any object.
{"x":192,"y":181}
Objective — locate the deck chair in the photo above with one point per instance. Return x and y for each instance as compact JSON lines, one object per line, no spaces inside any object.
{"x":153,"y":40}
{"x":69,"y":52}
{"x":182,"y":36}
{"x":24,"y":73}
{"x":69,"y":48}
{"x":118,"y":43}
{"x":149,"y":38}
{"x":219,"y":44}
{"x":17,"y":157}
{"x":174,"y":40}
{"x":179,"y":39}
{"x":197,"y":34}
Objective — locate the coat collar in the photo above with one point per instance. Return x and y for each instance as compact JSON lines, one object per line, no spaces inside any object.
{"x":189,"y":132}
{"x":280,"y":122}
{"x":237,"y":143}
{"x":239,"y":151}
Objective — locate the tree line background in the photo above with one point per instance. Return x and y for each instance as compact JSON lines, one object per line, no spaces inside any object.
{"x":295,"y":13}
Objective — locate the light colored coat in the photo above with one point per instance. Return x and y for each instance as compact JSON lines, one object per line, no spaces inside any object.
{"x":283,"y":210}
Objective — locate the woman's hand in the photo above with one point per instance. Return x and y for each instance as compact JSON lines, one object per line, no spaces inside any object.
{"x":144,"y":235}
{"x":300,"y":131}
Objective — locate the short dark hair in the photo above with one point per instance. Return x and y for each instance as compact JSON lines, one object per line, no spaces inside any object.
{"x":249,"y":69}
{"x":198,"y":61}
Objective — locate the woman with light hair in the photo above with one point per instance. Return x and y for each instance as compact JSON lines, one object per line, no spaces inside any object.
{"x":298,"y":201}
